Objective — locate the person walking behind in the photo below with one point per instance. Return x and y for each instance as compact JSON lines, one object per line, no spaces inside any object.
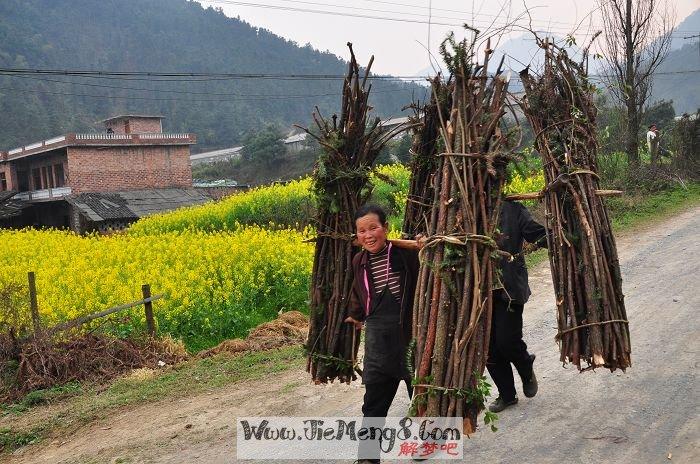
{"x":653,"y":139}
{"x":506,"y":345}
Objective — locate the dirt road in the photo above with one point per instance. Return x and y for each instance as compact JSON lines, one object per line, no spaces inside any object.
{"x":648,"y":415}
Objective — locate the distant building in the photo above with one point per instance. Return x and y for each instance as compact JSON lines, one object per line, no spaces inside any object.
{"x":220,"y":188}
{"x":208,"y":157}
{"x":392,"y":123}
{"x":295,"y":142}
{"x":690,"y":117}
{"x":47,"y":178}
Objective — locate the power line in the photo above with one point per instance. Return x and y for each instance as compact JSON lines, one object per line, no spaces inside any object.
{"x":547,"y":22}
{"x":187,"y":92}
{"x":545,"y":25}
{"x":467,"y":12}
{"x":189,"y":100}
{"x":375,"y":10}
{"x":241,"y":97}
{"x":328,"y":5}
{"x":332,"y":13}
{"x":149,"y":74}
{"x":155,"y":74}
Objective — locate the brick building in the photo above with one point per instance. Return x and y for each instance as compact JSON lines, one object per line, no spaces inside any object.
{"x":133,"y":153}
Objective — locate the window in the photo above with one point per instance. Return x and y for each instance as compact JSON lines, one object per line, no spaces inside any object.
{"x":3,"y":182}
{"x":36,"y":179}
{"x":22,"y":180}
{"x":49,"y":175}
{"x":59,"y":175}
{"x":46,"y":177}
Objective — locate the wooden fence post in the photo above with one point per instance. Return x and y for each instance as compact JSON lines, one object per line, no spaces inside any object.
{"x":33,"y":303}
{"x":148,"y":306}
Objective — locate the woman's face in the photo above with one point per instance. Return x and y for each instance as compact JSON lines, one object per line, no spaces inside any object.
{"x":371,"y":233}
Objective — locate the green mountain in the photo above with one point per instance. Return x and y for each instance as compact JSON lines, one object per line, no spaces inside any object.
{"x":162,"y":36}
{"x":678,"y":79}
{"x":672,"y":80}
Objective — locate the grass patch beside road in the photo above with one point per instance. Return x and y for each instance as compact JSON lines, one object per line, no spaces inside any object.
{"x":20,"y":426}
{"x":632,"y":211}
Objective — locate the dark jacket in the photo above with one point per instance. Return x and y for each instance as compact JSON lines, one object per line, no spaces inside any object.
{"x":401,"y":260}
{"x":516,"y":225}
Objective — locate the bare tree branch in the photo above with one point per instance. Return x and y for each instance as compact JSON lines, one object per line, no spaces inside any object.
{"x":637,"y":39}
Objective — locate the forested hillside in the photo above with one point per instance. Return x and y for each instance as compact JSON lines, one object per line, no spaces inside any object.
{"x":163,"y":36}
{"x":678,"y":79}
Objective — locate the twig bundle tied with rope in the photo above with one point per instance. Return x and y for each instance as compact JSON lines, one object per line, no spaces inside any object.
{"x":423,"y":163}
{"x":452,"y":311}
{"x":591,"y":312}
{"x":350,"y":147}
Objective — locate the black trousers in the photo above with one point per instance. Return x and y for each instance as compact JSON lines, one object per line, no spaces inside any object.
{"x":507,"y":346}
{"x":378,"y":399}
{"x":380,"y":395}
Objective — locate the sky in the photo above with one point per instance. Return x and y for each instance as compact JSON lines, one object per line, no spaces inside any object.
{"x":401,"y":45}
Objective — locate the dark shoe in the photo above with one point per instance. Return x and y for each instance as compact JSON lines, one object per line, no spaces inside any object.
{"x":530,"y":386}
{"x":500,"y":404}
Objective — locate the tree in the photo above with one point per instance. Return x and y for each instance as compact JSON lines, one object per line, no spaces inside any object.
{"x":396,"y":150}
{"x":265,"y":147}
{"x":660,"y":113}
{"x":637,"y":39}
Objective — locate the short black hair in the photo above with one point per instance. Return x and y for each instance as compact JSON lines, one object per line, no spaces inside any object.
{"x":371,"y":209}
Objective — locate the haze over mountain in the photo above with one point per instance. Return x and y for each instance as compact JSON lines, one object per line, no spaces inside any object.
{"x":690,"y":26}
{"x":672,"y":82}
{"x":162,"y":36}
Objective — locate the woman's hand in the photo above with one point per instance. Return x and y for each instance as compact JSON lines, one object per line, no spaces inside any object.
{"x":415,"y":244}
{"x":421,"y":240}
{"x":358,"y":324}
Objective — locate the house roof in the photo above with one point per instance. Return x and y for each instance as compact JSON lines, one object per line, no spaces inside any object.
{"x":295,"y":138}
{"x":217,"y":153}
{"x":101,"y":140}
{"x":394,"y":121}
{"x":134,"y":204}
{"x":10,"y":206}
{"x":125,"y":116}
{"x":215,"y":183}
{"x":6,"y":195}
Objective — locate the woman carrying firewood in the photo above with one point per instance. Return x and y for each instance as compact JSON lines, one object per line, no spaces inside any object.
{"x":385,"y":278}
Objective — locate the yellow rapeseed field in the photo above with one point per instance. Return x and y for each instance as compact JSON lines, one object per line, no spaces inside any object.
{"x":225,"y":266}
{"x":521,"y":184}
{"x":218,"y":284}
{"x":272,"y":206}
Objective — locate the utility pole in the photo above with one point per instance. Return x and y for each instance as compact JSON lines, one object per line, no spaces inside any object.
{"x":697,"y":36}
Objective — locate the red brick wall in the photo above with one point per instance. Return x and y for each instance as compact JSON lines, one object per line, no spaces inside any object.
{"x":26,"y":165}
{"x":136,"y":125}
{"x":5,"y":169}
{"x":93,"y":169}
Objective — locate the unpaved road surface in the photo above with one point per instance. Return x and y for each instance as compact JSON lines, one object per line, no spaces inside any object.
{"x":647,"y":415}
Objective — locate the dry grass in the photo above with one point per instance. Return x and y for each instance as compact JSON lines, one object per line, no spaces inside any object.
{"x":290,"y":328}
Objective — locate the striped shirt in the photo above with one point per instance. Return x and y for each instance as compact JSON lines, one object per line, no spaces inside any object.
{"x":378,"y":264}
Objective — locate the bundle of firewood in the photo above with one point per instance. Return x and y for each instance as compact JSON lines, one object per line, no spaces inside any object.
{"x":591,"y":313}
{"x":452,"y":311}
{"x":423,"y":164}
{"x":350,"y":146}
